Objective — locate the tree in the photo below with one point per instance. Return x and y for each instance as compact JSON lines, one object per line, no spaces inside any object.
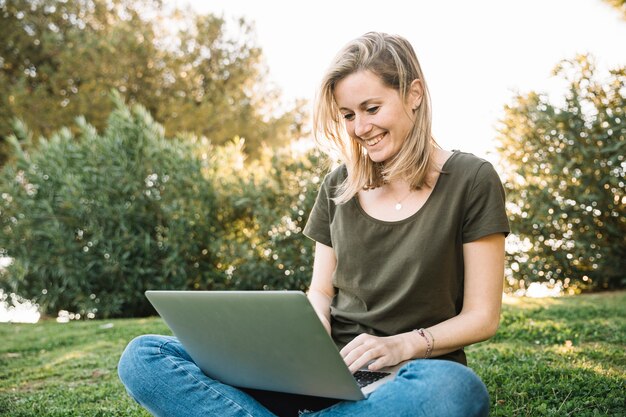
{"x":564,"y":170}
{"x":59,"y":60}
{"x":49,"y":53}
{"x":619,"y":5}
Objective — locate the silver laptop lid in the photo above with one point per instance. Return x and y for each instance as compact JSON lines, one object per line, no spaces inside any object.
{"x":269,"y":340}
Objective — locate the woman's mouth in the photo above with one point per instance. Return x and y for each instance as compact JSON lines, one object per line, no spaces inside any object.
{"x":375,"y":140}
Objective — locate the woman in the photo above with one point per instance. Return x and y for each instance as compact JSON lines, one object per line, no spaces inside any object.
{"x":409,"y":256}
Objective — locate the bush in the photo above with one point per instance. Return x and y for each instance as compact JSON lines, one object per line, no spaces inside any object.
{"x":565,"y":171}
{"x":94,"y":221}
{"x":267,"y":204}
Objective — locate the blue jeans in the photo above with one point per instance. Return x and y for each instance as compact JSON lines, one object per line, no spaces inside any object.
{"x":159,"y":374}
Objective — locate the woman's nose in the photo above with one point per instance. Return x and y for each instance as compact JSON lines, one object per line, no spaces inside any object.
{"x":361,"y":126}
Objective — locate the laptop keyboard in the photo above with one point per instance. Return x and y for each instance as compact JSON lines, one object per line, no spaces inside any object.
{"x":364,"y":378}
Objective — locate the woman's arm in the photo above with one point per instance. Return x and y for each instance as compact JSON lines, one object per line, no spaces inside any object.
{"x":477,"y":321}
{"x":321,"y":290}
{"x":482,"y":298}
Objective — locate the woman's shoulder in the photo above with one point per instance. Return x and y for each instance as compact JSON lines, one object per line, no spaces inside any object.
{"x":468,"y":165}
{"x":466,"y":160}
{"x":466,"y":170}
{"x":336,"y":176}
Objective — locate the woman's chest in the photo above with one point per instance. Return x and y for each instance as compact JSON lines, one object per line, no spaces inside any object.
{"x":388,"y":206}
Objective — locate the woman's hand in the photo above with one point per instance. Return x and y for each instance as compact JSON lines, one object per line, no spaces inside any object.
{"x":379,"y":352}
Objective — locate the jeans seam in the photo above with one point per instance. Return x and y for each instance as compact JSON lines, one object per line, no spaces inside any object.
{"x":202,"y":382}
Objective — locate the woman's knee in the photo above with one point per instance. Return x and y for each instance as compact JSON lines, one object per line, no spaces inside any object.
{"x":469,"y":390}
{"x":451,"y":388}
{"x":134,"y":368}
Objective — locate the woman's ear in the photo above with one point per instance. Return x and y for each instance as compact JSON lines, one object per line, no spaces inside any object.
{"x":416,"y":92}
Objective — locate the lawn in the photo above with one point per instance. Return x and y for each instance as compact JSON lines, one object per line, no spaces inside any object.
{"x":551,"y":357}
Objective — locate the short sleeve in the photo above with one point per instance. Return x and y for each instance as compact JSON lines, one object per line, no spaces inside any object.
{"x":318,"y":224}
{"x":485,"y":209}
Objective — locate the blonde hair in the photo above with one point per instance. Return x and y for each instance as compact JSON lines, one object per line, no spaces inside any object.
{"x":393,"y":59}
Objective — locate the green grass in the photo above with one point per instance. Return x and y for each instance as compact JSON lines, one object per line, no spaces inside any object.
{"x":557,"y":357}
{"x":551,"y":357}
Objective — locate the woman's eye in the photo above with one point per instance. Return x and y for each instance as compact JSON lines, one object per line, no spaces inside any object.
{"x":373,"y":110}
{"x":348,"y":116}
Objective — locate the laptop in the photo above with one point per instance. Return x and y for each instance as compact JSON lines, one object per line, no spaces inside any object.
{"x":266,"y":340}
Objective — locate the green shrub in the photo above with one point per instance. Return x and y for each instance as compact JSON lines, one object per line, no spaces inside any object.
{"x":267,"y":203}
{"x":564,"y":173}
{"x":94,"y":221}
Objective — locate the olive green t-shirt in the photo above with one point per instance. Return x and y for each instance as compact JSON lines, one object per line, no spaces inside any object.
{"x":393,"y":277}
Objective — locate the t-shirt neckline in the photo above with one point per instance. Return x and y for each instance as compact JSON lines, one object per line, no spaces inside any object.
{"x":355,"y":200}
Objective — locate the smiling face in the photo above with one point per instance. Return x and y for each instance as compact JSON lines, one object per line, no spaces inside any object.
{"x":375,"y":115}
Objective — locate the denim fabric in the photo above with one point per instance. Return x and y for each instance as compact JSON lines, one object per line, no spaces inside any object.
{"x":159,"y":374}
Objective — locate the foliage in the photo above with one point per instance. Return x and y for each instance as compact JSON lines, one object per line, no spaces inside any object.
{"x":619,"y":5}
{"x":267,"y":202}
{"x":94,"y":221}
{"x":59,"y":60}
{"x":570,"y":363}
{"x":565,"y":180}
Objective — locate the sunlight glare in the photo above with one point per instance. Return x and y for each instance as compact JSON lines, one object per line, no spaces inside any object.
{"x":542,"y":290}
{"x":17,"y":310}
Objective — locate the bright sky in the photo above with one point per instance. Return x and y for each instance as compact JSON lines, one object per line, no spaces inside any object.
{"x":475,"y":54}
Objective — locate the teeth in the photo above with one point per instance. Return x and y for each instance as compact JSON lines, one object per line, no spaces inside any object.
{"x":374,"y":141}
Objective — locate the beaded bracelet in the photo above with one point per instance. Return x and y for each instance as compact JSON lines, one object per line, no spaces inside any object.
{"x":429,"y":344}
{"x":432,"y":338}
